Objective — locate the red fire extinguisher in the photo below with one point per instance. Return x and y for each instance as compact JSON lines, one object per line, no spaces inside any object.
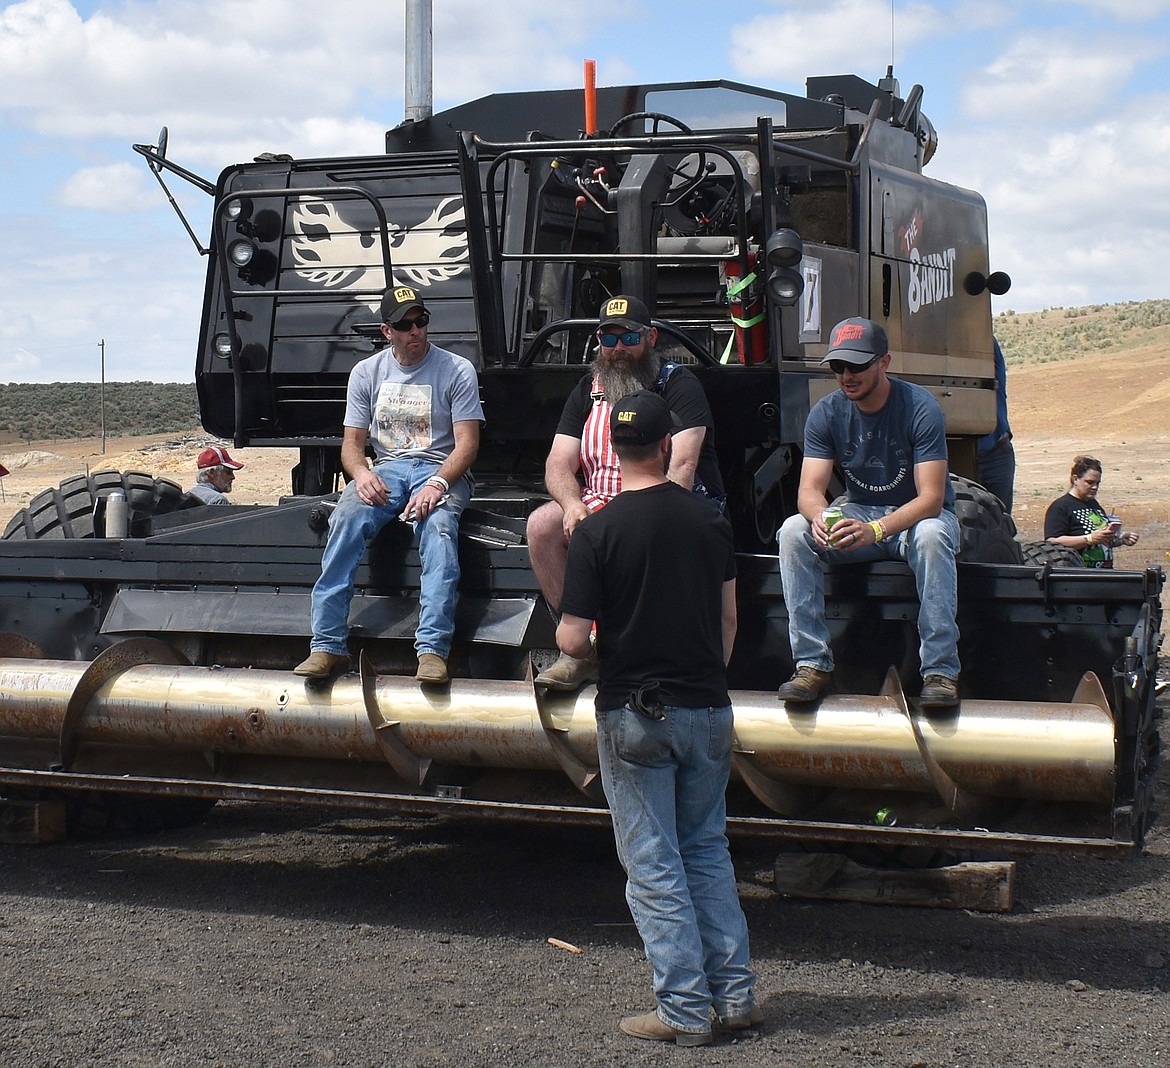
{"x":746,"y":301}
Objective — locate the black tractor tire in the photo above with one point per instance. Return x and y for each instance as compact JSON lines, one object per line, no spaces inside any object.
{"x":988,"y":532}
{"x":67,"y":511}
{"x":1044,"y":552}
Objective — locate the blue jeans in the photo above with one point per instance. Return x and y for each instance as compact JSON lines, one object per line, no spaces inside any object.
{"x":930,"y":547}
{"x":352,"y":526}
{"x":665,"y":781}
{"x":997,"y":470}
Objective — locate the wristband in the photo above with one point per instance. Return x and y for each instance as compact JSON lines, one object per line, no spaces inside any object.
{"x":441,"y":482}
{"x":879,"y":532}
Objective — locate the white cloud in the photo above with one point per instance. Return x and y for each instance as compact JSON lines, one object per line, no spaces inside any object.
{"x":840,"y":36}
{"x":227,"y":73}
{"x":20,"y":365}
{"x":1055,"y":78}
{"x":118,"y":188}
{"x":1075,"y":216}
{"x":1126,"y":10}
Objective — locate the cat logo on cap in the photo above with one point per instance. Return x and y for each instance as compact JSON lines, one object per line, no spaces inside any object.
{"x":404,"y":293}
{"x":626,"y":417}
{"x":617,"y":306}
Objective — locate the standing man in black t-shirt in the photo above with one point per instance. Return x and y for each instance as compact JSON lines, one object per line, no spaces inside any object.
{"x":656,"y":570}
{"x":626,"y":361}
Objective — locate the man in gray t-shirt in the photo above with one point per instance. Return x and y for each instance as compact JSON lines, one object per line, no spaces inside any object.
{"x":888,"y":439}
{"x":418,"y":408}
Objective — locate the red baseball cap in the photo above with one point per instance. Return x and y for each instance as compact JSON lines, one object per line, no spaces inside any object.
{"x":216,"y":456}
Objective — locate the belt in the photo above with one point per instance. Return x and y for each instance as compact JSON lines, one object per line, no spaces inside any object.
{"x":1004,"y":439}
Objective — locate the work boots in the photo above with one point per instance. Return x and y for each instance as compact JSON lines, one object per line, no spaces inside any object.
{"x":806,"y":685}
{"x":432,"y":670}
{"x":742,"y":1021}
{"x":939,"y":692}
{"x":321,"y":665}
{"x":651,"y":1027}
{"x":569,"y":673}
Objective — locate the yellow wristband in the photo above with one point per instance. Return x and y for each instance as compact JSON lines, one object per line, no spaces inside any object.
{"x":879,"y":532}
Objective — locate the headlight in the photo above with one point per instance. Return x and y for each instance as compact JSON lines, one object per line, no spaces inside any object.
{"x":241,"y":252}
{"x":222,"y":344}
{"x":240,"y":208}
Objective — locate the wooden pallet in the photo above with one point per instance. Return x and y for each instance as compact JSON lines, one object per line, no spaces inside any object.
{"x":985,"y":886}
{"x":31,"y":822}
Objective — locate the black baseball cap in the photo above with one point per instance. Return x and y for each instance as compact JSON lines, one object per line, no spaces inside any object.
{"x":856,"y":341}
{"x":627,"y":312}
{"x":640,"y":418}
{"x":397,"y":301}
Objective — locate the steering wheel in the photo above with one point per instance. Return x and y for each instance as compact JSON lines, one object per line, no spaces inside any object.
{"x":687,"y":180}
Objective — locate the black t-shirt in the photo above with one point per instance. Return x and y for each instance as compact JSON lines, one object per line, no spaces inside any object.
{"x":1070,"y":515}
{"x":650,"y":568}
{"x":683,"y":392}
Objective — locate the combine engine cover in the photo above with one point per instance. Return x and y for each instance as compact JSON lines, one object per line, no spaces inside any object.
{"x":157,"y":665}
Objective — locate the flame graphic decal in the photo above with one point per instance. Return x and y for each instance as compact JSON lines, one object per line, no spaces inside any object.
{"x":330,"y":253}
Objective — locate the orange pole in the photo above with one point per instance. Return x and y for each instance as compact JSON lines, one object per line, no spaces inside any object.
{"x":590,"y":96}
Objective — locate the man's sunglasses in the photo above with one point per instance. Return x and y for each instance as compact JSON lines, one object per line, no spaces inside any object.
{"x":630,"y":338}
{"x":841,"y":367}
{"x":404,"y":326}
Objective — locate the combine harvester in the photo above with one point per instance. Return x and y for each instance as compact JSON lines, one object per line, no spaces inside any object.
{"x":146,"y":652}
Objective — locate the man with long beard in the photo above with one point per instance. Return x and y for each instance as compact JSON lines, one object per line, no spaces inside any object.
{"x":626,"y":363}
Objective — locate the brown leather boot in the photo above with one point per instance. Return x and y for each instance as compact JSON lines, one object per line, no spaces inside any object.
{"x":432,"y":670}
{"x":806,"y":685}
{"x":568,"y":673}
{"x":321,"y":665}
{"x":939,"y":692}
{"x":651,"y":1027}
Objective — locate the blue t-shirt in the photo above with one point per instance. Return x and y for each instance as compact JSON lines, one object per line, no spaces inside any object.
{"x":876,"y":453}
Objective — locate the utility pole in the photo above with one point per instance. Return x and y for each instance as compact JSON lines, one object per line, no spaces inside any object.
{"x":102,"y":346}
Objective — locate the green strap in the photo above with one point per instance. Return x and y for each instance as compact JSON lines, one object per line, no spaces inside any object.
{"x":745,"y":323}
{"x":741,"y":283}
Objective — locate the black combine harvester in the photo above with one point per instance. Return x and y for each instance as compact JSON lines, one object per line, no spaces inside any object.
{"x":152,"y":664}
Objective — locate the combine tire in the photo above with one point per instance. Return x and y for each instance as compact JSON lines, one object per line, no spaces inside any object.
{"x":67,"y":511}
{"x":1044,"y":552}
{"x":989,"y":533}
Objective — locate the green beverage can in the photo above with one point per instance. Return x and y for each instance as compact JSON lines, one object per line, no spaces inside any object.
{"x":831,"y":517}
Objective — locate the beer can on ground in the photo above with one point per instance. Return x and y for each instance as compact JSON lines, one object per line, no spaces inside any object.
{"x":831,"y":517}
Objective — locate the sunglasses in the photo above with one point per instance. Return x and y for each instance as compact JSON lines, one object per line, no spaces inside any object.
{"x":404,"y":326}
{"x":841,"y":367}
{"x":630,"y":338}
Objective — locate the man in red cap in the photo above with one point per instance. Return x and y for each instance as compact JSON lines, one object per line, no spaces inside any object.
{"x":216,"y":471}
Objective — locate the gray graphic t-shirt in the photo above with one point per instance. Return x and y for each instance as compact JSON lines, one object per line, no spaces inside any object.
{"x":411,"y":411}
{"x":876,"y":453}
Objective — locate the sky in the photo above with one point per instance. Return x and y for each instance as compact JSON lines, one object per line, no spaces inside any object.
{"x":1056,"y":111}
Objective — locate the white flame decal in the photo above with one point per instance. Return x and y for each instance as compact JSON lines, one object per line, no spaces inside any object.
{"x":433,"y":251}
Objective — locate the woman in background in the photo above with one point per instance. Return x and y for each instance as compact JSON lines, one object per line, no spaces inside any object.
{"x":1078,"y":522}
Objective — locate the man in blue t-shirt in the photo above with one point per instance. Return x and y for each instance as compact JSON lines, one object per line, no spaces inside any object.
{"x":888,"y":439}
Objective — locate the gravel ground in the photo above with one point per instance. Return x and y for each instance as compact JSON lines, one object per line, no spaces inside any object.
{"x":287,"y":936}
